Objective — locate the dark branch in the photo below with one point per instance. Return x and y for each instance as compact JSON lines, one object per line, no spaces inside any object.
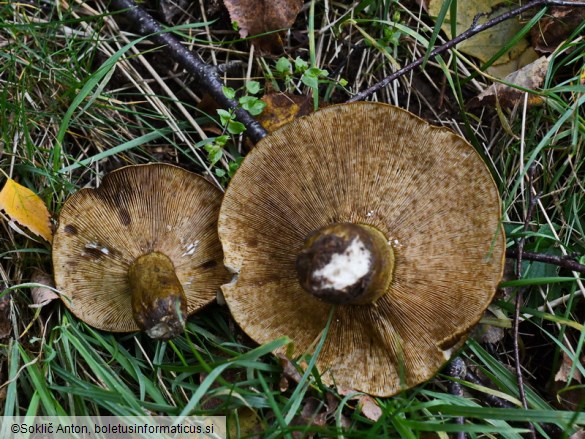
{"x":204,"y":73}
{"x":492,"y":400}
{"x":474,"y":29}
{"x":562,"y":261}
{"x":459,"y":370}
{"x":498,"y":402}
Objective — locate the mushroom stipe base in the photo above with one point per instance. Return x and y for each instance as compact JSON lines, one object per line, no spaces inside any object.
{"x":346,"y":263}
{"x":159,"y":305}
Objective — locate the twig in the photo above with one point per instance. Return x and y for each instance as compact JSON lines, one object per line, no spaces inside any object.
{"x":532,"y":201}
{"x":474,"y":29}
{"x":562,"y":261}
{"x":495,"y":401}
{"x":492,"y":400}
{"x":207,"y":75}
{"x":229,"y":66}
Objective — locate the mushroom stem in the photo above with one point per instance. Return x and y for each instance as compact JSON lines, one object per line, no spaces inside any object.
{"x":346,"y":263}
{"x":159,"y":305}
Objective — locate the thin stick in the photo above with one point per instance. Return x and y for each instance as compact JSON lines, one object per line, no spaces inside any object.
{"x":207,"y":75}
{"x":474,"y":29}
{"x":492,"y":400}
{"x":562,"y":261}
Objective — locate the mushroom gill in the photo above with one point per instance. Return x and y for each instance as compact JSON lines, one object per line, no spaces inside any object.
{"x":370,"y":209}
{"x":141,"y":251}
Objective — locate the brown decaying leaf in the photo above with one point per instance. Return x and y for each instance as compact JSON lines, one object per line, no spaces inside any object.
{"x":282,"y":108}
{"x":530,"y":77}
{"x":255,"y":17}
{"x":289,"y":372}
{"x":318,"y":412}
{"x":42,"y":295}
{"x":369,"y":408}
{"x":564,"y":372}
{"x":555,"y":27}
{"x":312,"y":413}
{"x":315,"y":411}
{"x":258,"y":16}
{"x":569,"y":392}
{"x":24,"y":207}
{"x":5,"y":325}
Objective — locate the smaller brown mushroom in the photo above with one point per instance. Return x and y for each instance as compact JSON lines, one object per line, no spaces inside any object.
{"x":141,"y":251}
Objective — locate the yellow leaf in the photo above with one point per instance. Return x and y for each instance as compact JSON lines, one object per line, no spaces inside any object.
{"x":282,"y":108}
{"x":24,"y":207}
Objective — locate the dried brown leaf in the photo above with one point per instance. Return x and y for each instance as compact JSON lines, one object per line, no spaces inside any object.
{"x":564,"y":373}
{"x":369,"y":408}
{"x":569,"y":394}
{"x":5,"y":324}
{"x":555,"y":27}
{"x":528,"y":77}
{"x":289,"y":371}
{"x":332,"y":402}
{"x":568,"y":397}
{"x":290,"y":374}
{"x":258,"y":16}
{"x":312,"y":412}
{"x":42,"y":295}
{"x":255,"y":17}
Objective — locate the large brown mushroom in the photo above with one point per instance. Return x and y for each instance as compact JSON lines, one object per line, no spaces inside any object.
{"x":367,"y":207}
{"x":140,"y":251}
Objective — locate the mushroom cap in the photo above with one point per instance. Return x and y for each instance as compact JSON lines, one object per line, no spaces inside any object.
{"x":425,"y":188}
{"x":137,"y":210}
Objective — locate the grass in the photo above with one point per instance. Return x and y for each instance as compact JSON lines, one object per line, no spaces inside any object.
{"x":80,"y":97}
